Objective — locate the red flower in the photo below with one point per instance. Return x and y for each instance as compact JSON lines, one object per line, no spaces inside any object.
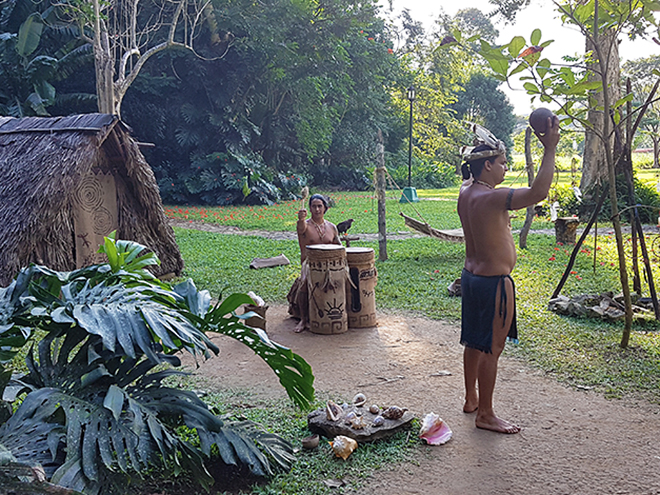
{"x":551,"y":258}
{"x":390,"y":51}
{"x":573,"y":272}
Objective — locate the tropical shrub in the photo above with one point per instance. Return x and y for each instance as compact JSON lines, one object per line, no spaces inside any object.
{"x":646,"y":198}
{"x":94,"y":409}
{"x":425,"y":174}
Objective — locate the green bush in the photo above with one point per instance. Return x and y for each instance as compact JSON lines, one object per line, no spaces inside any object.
{"x":565,"y":196}
{"x":425,"y":174}
{"x":93,"y":409}
{"x":642,"y":160}
{"x":646,"y":197}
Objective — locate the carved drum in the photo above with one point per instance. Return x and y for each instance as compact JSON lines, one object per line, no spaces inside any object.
{"x":327,"y":297}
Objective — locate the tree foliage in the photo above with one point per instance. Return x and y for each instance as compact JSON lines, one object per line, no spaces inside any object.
{"x":37,"y":53}
{"x":302,"y":91}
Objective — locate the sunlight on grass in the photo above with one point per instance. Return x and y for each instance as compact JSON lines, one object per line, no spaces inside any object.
{"x":415,"y":278}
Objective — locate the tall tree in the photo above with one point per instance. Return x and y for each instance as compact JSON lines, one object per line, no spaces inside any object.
{"x":125,"y":34}
{"x":484,"y":103}
{"x":572,"y":87}
{"x":303,"y":90}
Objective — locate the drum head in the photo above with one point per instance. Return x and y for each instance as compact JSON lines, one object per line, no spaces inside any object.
{"x":325,"y":247}
{"x":359,"y":250}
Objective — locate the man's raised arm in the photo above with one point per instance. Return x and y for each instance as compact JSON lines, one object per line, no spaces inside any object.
{"x":528,"y":196}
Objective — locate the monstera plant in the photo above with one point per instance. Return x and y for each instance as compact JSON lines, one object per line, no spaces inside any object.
{"x":94,"y":409}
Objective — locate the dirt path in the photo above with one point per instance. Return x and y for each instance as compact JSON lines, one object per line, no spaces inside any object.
{"x":572,"y":442}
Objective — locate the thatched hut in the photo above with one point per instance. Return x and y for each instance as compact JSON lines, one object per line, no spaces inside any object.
{"x":65,"y":182}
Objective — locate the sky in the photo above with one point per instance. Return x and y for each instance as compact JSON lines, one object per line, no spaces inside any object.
{"x":539,"y":14}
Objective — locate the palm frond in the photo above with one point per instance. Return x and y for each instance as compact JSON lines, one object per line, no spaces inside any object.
{"x":294,"y":373}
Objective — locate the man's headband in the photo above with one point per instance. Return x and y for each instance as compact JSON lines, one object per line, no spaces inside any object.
{"x":482,"y":136}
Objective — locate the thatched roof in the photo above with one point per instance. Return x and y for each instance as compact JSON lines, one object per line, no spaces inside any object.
{"x":42,"y":161}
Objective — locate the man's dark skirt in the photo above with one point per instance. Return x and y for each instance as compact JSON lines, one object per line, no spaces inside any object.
{"x":478,"y":309}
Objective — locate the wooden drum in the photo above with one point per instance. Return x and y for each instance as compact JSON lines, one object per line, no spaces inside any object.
{"x":327,"y":297}
{"x":361,"y":293}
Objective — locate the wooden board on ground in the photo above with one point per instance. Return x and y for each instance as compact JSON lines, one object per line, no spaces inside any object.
{"x":280,"y":260}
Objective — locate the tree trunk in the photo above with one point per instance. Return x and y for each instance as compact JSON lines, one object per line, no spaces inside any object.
{"x":606,"y":54}
{"x":103,"y":64}
{"x":594,"y":165}
{"x":655,"y":151}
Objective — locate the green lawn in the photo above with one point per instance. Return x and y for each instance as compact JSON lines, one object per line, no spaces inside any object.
{"x":415,"y":278}
{"x":579,"y":352}
{"x":437,"y":207}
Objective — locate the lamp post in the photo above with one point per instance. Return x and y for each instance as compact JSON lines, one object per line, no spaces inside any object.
{"x":411,"y":97}
{"x":410,"y":193}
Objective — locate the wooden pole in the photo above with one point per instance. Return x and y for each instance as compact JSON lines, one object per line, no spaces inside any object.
{"x":529,"y":165}
{"x":380,"y":193}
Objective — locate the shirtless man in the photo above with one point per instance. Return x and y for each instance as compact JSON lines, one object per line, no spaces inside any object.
{"x":311,"y":231}
{"x":488,"y":314}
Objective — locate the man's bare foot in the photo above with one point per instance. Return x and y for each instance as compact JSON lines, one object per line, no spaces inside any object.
{"x":470,"y":405}
{"x":494,"y":423}
{"x":300,"y":327}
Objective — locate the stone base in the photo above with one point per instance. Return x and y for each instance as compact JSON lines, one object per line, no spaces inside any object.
{"x":317,"y":422}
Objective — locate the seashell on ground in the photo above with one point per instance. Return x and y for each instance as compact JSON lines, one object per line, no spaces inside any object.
{"x":333,"y":411}
{"x":343,"y":446}
{"x":359,"y":400}
{"x":310,"y":442}
{"x":374,"y":409}
{"x":393,"y":412}
{"x":378,"y":421}
{"x":434,"y":430}
{"x":358,"y":423}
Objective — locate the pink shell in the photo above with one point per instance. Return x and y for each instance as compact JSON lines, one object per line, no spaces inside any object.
{"x":434,"y":430}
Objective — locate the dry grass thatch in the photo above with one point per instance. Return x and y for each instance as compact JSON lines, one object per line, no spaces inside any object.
{"x":42,"y":161}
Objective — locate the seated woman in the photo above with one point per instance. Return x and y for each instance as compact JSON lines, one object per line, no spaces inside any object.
{"x":311,"y":231}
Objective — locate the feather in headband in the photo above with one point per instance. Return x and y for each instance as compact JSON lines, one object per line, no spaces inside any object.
{"x":482,"y":136}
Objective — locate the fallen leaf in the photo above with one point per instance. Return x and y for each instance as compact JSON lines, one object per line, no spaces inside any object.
{"x":441,"y":373}
{"x":334,"y":483}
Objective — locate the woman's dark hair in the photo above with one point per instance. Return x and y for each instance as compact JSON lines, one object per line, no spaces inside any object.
{"x":323,"y":199}
{"x":476,"y":166}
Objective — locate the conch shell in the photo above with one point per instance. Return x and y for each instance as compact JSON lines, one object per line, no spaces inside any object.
{"x":359,"y":400}
{"x":333,"y":411}
{"x":434,"y":430}
{"x":393,"y":412}
{"x":358,"y":423}
{"x":343,"y":446}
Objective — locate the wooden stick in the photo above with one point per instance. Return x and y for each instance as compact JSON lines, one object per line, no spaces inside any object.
{"x":304,"y":193}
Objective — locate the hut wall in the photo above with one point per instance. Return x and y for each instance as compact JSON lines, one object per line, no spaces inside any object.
{"x":36,"y":214}
{"x":140,"y":209}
